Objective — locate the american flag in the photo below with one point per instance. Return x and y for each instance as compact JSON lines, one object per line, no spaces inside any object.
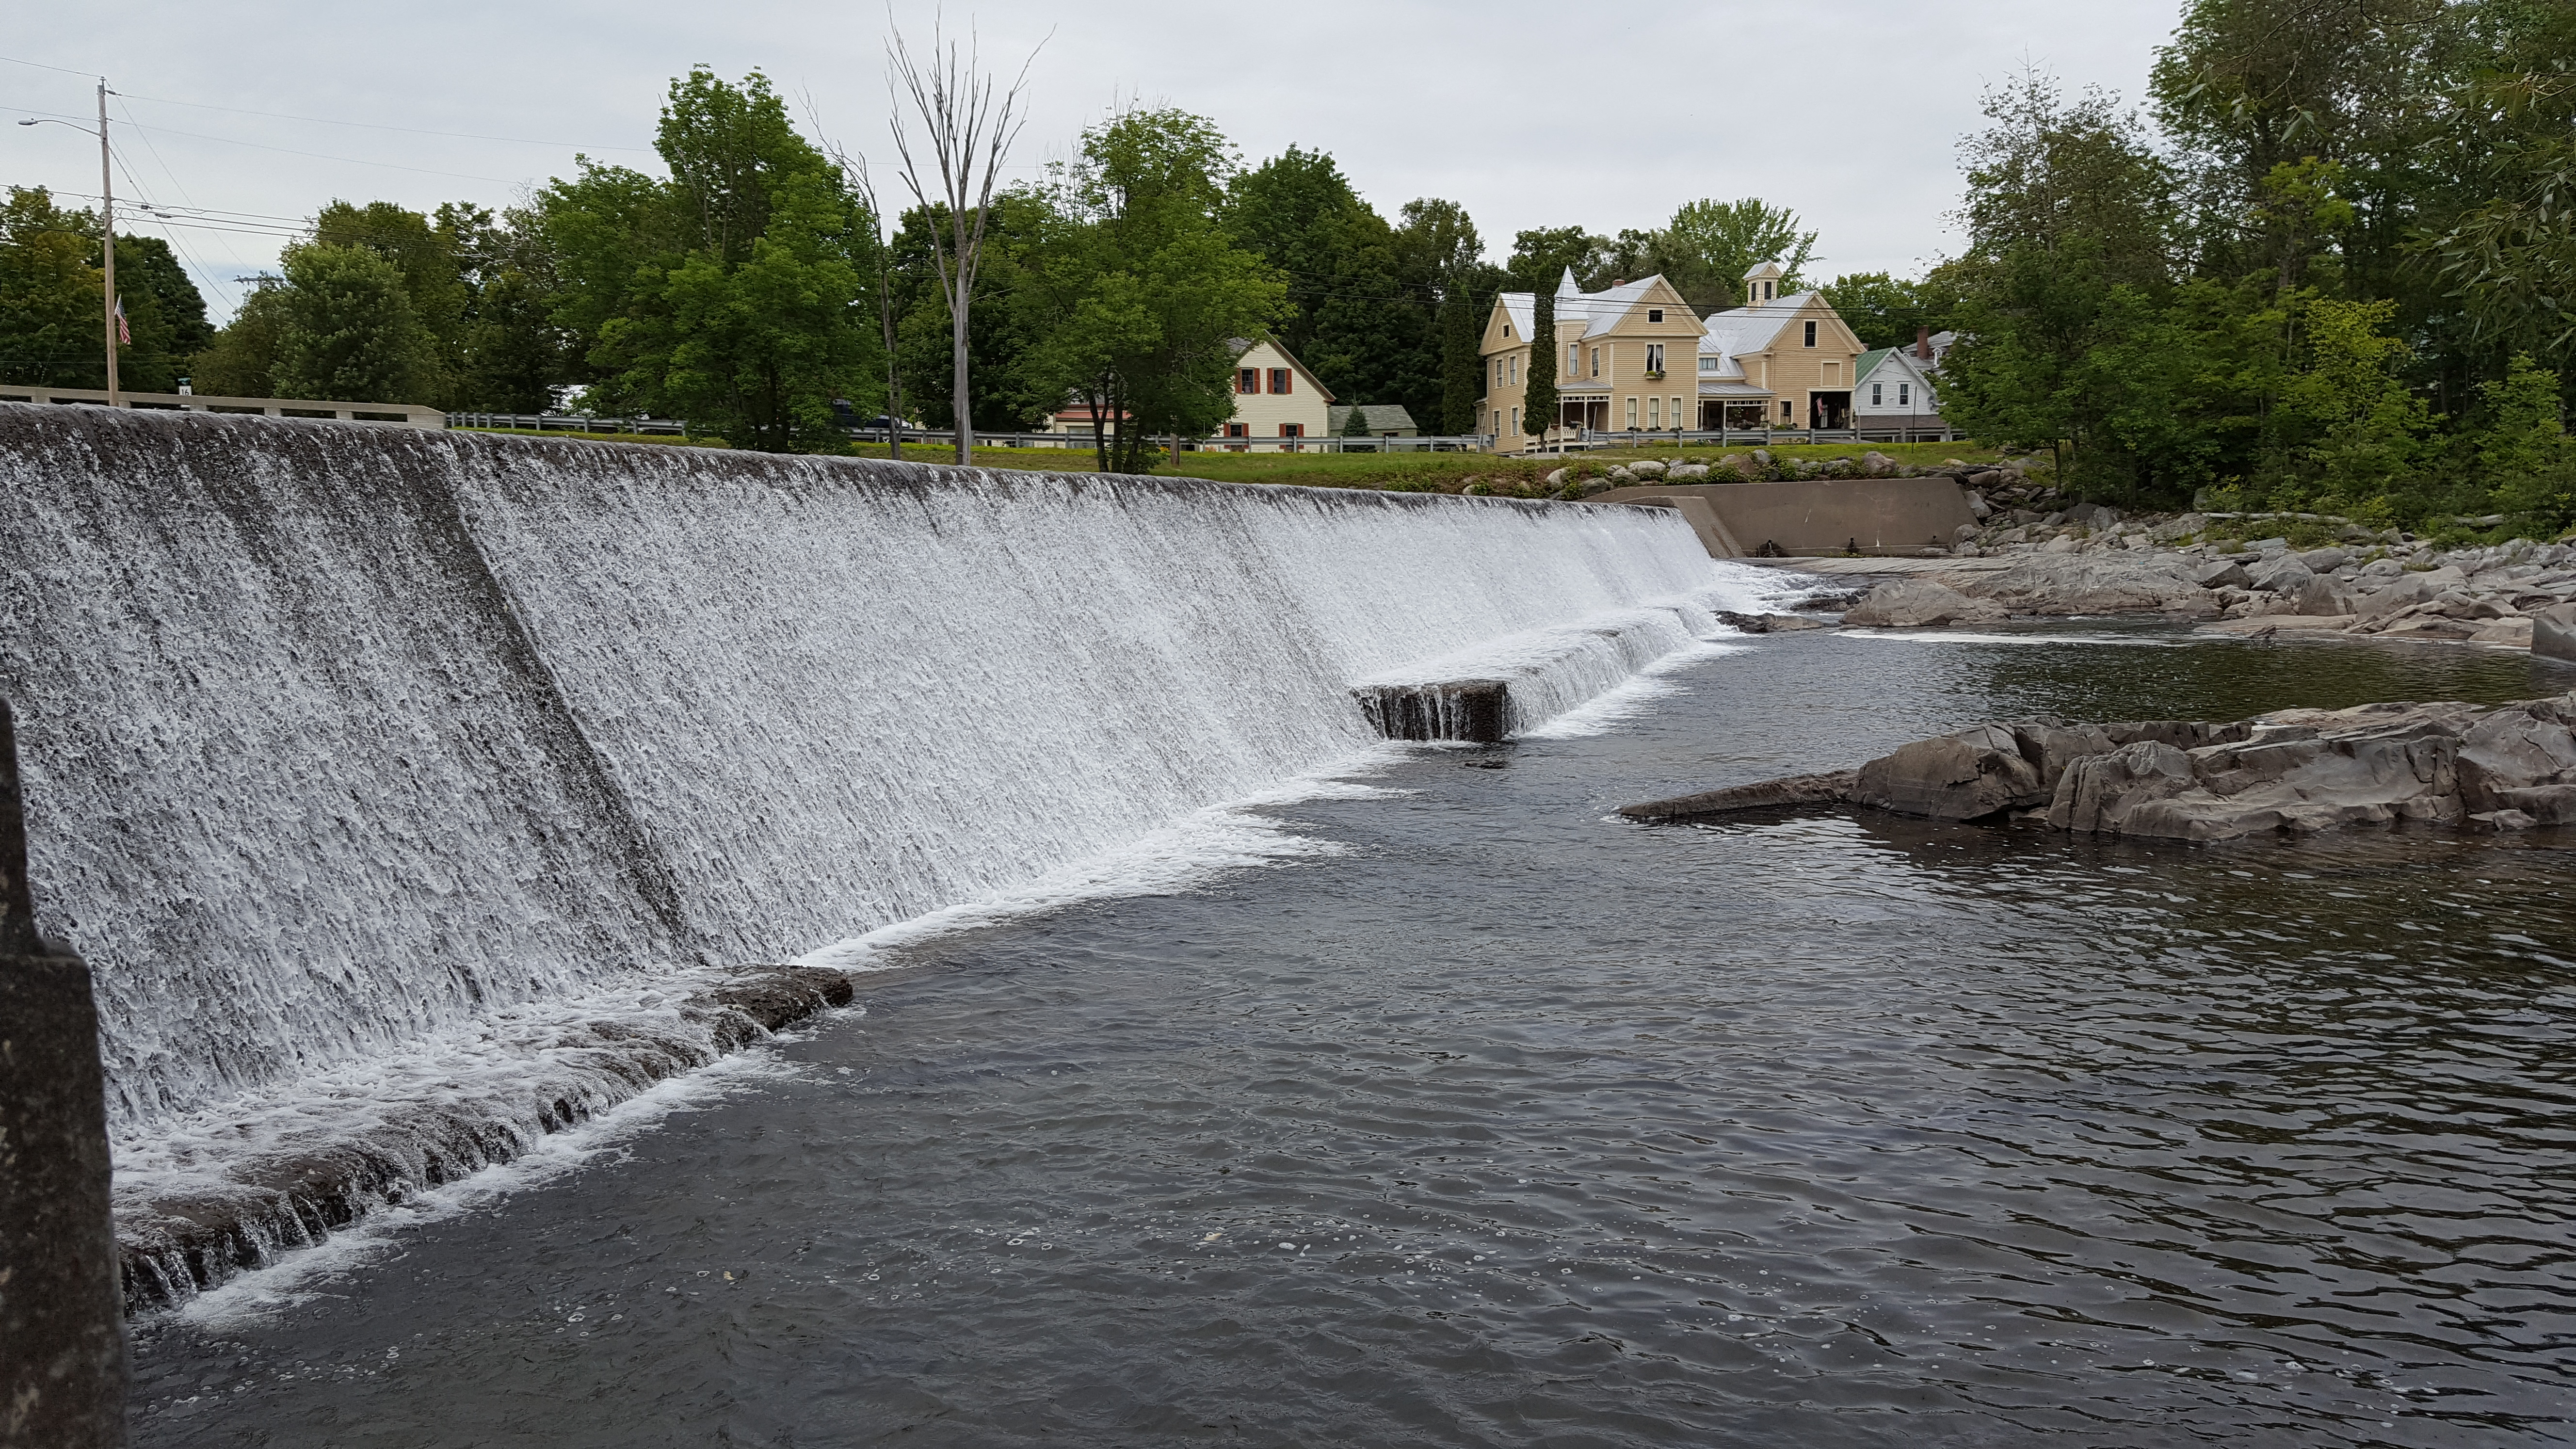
{"x":124,"y":334}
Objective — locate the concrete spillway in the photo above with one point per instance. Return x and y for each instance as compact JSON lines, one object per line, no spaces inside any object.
{"x":348,"y":749}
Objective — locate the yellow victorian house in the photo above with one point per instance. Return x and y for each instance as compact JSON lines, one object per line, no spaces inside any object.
{"x":1633,"y":358}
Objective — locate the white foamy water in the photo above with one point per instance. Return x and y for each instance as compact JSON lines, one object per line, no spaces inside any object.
{"x":370,"y":756}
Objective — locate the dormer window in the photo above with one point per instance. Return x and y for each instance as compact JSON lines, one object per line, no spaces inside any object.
{"x":1767,"y":290}
{"x":1708,"y":364}
{"x":1654,"y":314}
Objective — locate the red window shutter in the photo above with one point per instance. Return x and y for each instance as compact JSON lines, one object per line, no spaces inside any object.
{"x":1247,"y":380}
{"x":1279,"y":379}
{"x":1292,"y":430}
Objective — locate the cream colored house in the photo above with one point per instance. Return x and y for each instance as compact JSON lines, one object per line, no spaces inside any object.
{"x":1275,"y":397}
{"x":1634,"y":358}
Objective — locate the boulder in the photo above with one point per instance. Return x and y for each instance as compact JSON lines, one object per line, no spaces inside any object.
{"x":1913,"y":603}
{"x":2553,"y":632}
{"x":2515,"y":633}
{"x":1964,"y":776}
{"x":2522,"y":757}
{"x":2105,"y":793}
{"x":1555,"y":478}
{"x":2092,"y":584}
{"x":1877,"y":464}
{"x":1646,"y":468}
{"x":2324,"y":560}
{"x":2283,"y":575}
{"x":1826,"y":789}
{"x":2324,"y":597}
{"x":1977,"y":505}
{"x":1686,"y":473}
{"x":2063,"y":543}
{"x":2221,"y":574}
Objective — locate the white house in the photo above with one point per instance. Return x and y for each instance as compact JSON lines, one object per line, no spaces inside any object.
{"x":1896,"y":388}
{"x":1275,"y":397}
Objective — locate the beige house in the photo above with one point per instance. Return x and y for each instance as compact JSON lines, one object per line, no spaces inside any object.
{"x":1634,"y":358}
{"x":1275,"y":397}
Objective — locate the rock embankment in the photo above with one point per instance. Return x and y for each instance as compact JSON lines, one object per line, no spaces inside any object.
{"x":2089,"y":559}
{"x":2292,"y":772}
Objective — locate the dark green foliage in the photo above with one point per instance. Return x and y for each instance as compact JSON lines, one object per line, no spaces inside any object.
{"x":53,"y":325}
{"x":1885,"y":311}
{"x":1538,"y":401}
{"x":730,"y":294}
{"x":347,"y":331}
{"x":1136,"y":302}
{"x":1364,"y":293}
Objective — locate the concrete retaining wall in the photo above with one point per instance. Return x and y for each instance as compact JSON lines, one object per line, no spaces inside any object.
{"x":1876,"y":515}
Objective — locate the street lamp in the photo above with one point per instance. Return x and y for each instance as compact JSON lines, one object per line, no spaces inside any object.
{"x":106,"y":230}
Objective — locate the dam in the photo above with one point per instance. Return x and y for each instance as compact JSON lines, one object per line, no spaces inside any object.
{"x":404,"y":790}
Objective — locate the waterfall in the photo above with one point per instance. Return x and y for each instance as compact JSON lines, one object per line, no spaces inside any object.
{"x":339,"y":741}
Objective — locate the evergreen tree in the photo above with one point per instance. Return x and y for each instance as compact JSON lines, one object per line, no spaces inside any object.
{"x":1538,"y":401}
{"x":1355,"y":423}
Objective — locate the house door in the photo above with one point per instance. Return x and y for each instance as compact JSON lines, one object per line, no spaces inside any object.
{"x":1829,"y":410}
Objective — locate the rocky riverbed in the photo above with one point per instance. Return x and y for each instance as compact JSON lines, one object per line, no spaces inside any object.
{"x":2235,"y":574}
{"x":2293,"y":772}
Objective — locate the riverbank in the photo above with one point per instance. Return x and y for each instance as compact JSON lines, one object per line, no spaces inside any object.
{"x":2091,"y":559}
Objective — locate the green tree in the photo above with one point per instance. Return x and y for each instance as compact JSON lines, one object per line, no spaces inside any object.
{"x":1363,"y":291}
{"x":242,"y":360}
{"x":1139,"y":300}
{"x":50,"y":324}
{"x":2522,"y":448}
{"x":2366,"y":427}
{"x":1708,"y":246}
{"x":1439,"y":255}
{"x":731,"y":294}
{"x":348,"y":331}
{"x":1538,"y":400}
{"x":1883,"y":310}
{"x":1355,"y":422}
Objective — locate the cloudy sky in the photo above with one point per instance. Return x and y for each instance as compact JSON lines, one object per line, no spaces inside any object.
{"x":1530,"y":114}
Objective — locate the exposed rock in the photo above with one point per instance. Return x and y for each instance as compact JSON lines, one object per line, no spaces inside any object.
{"x":1914,"y":603}
{"x":1769,"y":794}
{"x":2284,"y":575}
{"x":1686,"y":473}
{"x":2221,"y":574}
{"x":2082,"y":586}
{"x":2553,"y":632}
{"x":1977,"y":505}
{"x":2515,"y":633}
{"x":1767,"y":623}
{"x":2327,"y":598}
{"x":1646,"y":468}
{"x":2294,"y":771}
{"x":1964,"y":776}
{"x":2063,"y":543}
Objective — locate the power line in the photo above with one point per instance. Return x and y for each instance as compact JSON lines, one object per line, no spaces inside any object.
{"x":40,"y":65}
{"x":380,"y":126}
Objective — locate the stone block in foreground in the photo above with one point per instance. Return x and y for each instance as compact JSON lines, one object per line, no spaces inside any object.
{"x":2553,"y":632}
{"x":62,"y":1330}
{"x":1829,"y":789}
{"x":1475,"y":710}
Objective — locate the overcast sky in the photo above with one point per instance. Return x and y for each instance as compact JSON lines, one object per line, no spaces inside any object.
{"x":1531,"y":115}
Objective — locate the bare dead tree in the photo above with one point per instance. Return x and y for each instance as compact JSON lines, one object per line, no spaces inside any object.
{"x":967,"y":131}
{"x":854,"y":170}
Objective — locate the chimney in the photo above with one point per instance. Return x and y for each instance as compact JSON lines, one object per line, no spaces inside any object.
{"x":1923,"y":343}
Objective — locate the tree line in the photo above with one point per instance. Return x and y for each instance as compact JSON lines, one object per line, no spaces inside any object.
{"x":759,"y":283}
{"x":2330,"y":267}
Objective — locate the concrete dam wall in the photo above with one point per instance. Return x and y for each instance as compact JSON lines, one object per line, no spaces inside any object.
{"x":397,"y":761}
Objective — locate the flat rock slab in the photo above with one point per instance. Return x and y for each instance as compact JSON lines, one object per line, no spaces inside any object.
{"x":1830,"y":789}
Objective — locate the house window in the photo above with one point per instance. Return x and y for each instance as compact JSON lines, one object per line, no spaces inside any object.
{"x":1654,"y":357}
{"x":1766,"y":291}
{"x":1877,"y":394}
{"x":1247,"y":379}
{"x":1655,"y":413}
{"x":1280,"y":378}
{"x":1516,"y":369}
{"x":1632,"y":415}
{"x":1708,"y":364}
{"x":1292,"y":430}
{"x":1676,"y":414}
{"x":1516,"y":422}
{"x":1811,"y":334}
{"x":1654,"y":314}
{"x":1784,"y":410}
{"x":1596,"y":362}
{"x":1905,"y":394}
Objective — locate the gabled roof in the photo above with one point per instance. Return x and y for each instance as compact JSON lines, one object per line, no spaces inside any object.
{"x":1741,"y":330}
{"x":1380,"y":416}
{"x":1242,"y":345}
{"x":1599,"y":311}
{"x":1903,"y":358}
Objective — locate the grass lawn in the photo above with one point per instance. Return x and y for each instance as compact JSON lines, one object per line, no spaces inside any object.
{"x":1400,"y":472}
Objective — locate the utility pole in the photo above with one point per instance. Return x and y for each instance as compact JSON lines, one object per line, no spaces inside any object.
{"x":107,"y":235}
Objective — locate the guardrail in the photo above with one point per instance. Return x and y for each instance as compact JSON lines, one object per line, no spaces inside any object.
{"x":401,"y":415}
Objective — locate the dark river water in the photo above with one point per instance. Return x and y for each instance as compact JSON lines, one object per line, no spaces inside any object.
{"x":1512,"y":1125}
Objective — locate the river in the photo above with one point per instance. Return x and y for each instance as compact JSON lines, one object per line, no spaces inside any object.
{"x":1489,"y":1120}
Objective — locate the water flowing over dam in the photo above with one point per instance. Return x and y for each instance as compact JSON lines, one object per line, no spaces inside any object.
{"x":338,"y":740}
